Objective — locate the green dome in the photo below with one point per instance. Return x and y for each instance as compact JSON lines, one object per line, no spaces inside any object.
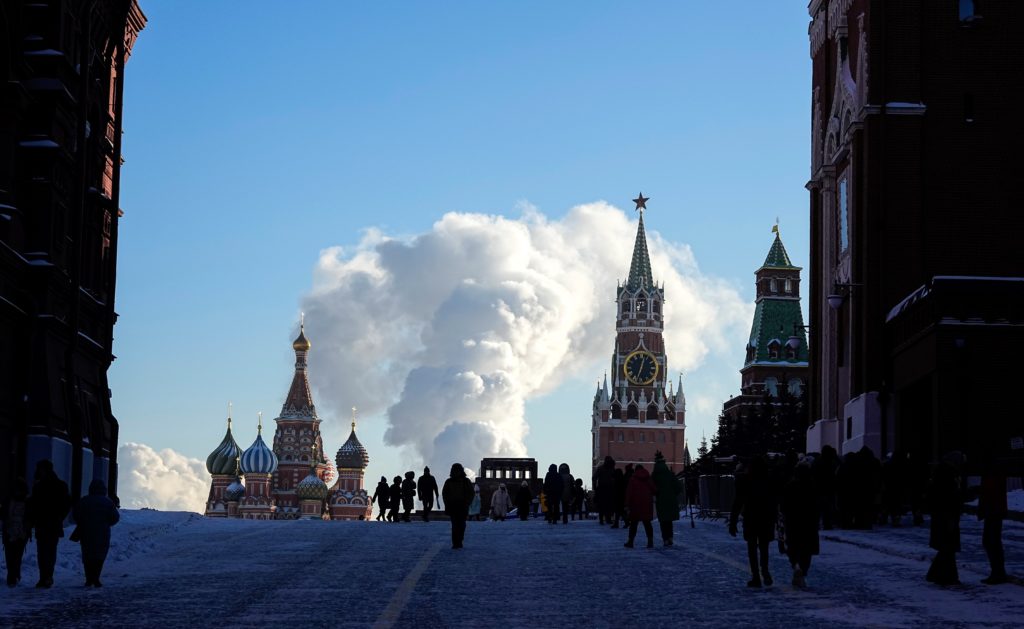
{"x":311,"y":488}
{"x":222,"y":459}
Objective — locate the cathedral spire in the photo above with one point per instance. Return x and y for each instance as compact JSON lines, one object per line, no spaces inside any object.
{"x":299,"y":402}
{"x":640,"y":266}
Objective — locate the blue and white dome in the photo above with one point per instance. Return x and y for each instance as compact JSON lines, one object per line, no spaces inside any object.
{"x":222,"y":459}
{"x":311,"y":488}
{"x":258,"y":458}
{"x":234,"y":492}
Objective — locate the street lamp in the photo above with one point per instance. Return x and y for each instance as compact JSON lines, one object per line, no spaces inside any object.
{"x":838,"y":294}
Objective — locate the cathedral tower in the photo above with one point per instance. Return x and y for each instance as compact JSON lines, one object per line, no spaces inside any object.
{"x":297,"y":441}
{"x":221,"y":464}
{"x":349,"y":500}
{"x":639,"y":413}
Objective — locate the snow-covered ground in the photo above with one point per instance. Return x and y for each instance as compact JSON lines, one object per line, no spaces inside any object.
{"x":180,"y":569}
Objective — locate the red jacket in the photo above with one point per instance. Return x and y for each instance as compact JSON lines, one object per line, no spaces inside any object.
{"x":640,"y":496}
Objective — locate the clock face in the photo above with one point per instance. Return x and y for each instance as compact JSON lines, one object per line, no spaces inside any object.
{"x":641,"y":367}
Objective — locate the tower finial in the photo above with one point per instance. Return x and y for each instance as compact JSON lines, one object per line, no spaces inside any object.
{"x":229,"y":415}
{"x":775,"y":228}
{"x":259,"y":423}
{"x":302,"y":318}
{"x":641,"y":202}
{"x":353,"y":419}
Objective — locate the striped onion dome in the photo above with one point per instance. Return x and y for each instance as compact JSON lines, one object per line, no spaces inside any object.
{"x":352,"y":455}
{"x":235,"y":491}
{"x":311,"y":488}
{"x":222,"y":459}
{"x":258,"y":458}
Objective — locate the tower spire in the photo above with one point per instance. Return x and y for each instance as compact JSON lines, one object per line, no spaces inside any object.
{"x":353,"y":419}
{"x":640,"y":266}
{"x":259,"y":423}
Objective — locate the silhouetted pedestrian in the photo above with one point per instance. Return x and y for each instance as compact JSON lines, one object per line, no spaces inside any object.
{"x":894,"y":488}
{"x":627,"y":473}
{"x":579,"y":494}
{"x":552,"y":493}
{"x":48,"y":505}
{"x":755,"y":500}
{"x":640,"y":503}
{"x":619,"y":498}
{"x":604,"y":490}
{"x":524,"y":499}
{"x":668,"y":488}
{"x":945,"y":502}
{"x":501,"y":503}
{"x":457,"y":495}
{"x":992,"y":509}
{"x":381,"y":496}
{"x":17,"y":529}
{"x":94,"y":515}
{"x":823,"y":473}
{"x":395,"y":499}
{"x":475,"y":506}
{"x":846,"y":490}
{"x":800,"y":522}
{"x":568,"y":491}
{"x":867,"y":487}
{"x":408,"y":495}
{"x":426,"y":487}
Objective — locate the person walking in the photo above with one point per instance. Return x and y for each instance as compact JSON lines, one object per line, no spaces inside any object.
{"x":426,"y":487}
{"x":17,"y":532}
{"x":627,"y":473}
{"x":395,"y":499}
{"x":579,"y":496}
{"x":945,"y":502}
{"x":457,"y":494}
{"x":475,"y":506}
{"x":524,"y":498}
{"x":552,"y":493}
{"x":380,"y":496}
{"x":619,"y":498}
{"x":568,"y":491}
{"x":48,"y":505}
{"x":408,"y":495}
{"x":823,"y":471}
{"x":992,"y":509}
{"x":755,"y":500}
{"x":640,"y":502}
{"x":501,"y":502}
{"x":800,"y":522}
{"x":668,"y":488}
{"x":604,"y":490}
{"x":94,"y":515}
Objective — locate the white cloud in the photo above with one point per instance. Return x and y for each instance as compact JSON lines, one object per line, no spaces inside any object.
{"x":451,"y":331}
{"x":164,"y":480}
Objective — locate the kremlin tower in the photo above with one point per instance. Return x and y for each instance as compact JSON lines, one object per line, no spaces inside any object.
{"x":293,"y":479}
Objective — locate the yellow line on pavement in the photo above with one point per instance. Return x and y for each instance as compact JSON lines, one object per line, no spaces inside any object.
{"x":400,"y":599}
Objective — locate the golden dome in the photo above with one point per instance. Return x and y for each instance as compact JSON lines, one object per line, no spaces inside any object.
{"x":301,"y":344}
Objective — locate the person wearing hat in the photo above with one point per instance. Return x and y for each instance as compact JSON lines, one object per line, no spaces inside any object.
{"x":457,"y":494}
{"x":524,"y":498}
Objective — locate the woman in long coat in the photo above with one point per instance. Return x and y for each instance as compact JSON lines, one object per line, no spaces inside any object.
{"x":94,"y":515}
{"x":668,"y":488}
{"x":640,"y":501}
{"x":395,"y":499}
{"x":382,"y":497}
{"x":500,"y":503}
{"x":800,"y":517}
{"x":524,"y":498}
{"x":756,"y":500}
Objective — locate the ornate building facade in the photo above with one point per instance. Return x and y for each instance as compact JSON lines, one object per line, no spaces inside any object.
{"x":776,"y":360}
{"x":293,"y":479}
{"x":62,"y":68}
{"x":639,"y":412}
{"x":916,"y":293}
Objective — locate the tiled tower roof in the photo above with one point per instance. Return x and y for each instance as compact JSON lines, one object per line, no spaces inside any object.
{"x":640,"y":266}
{"x":299,"y":402}
{"x":777,"y":256}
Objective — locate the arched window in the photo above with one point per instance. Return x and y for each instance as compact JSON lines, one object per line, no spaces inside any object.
{"x":616,"y":411}
{"x":656,"y":306}
{"x":661,"y":437}
{"x":652,"y":412}
{"x":641,"y":308}
{"x":643,"y":437}
{"x":772,"y":285}
{"x":622,"y":437}
{"x":789,"y":286}
{"x":773,"y":349}
{"x":771,"y":386}
{"x":632,"y":412}
{"x":796,"y":387}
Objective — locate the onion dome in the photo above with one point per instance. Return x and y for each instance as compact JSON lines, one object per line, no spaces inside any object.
{"x":258,"y":458}
{"x":311,"y":488}
{"x":352,"y":455}
{"x":234,"y":492}
{"x":302,"y":344}
{"x":222,"y":459}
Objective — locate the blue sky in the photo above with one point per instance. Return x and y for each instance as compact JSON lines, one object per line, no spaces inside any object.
{"x":258,"y":134}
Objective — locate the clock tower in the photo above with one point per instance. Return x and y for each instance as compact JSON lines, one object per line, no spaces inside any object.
{"x":636,"y":410}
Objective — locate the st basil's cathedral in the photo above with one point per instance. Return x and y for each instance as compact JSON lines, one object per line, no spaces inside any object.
{"x":293,"y":479}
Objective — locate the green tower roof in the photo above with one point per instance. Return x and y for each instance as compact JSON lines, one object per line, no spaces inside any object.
{"x":777,"y":256}
{"x":640,"y":266}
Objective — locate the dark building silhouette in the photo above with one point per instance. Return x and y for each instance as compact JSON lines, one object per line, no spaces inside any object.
{"x":62,"y":81}
{"x":916,"y":306}
{"x":775,"y":366}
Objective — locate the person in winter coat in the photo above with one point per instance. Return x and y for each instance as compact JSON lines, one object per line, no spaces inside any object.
{"x":426,"y":487}
{"x":475,"y":506}
{"x":755,"y":500}
{"x":381,"y":496}
{"x":17,"y":530}
{"x":579,"y":495}
{"x":627,"y":473}
{"x":823,"y":471}
{"x":408,"y":495}
{"x":457,"y":495}
{"x":800,"y":521}
{"x":604,"y":490}
{"x":524,"y":499}
{"x":992,"y":509}
{"x":48,"y":505}
{"x":945,"y":502}
{"x":552,"y":493}
{"x":568,"y":491}
{"x":94,"y":515}
{"x":501,"y":502}
{"x":668,"y":488}
{"x":395,"y":499}
{"x":619,"y":498}
{"x":640,"y":502}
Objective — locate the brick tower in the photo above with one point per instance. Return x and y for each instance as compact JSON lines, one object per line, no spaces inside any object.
{"x":297,"y":441}
{"x":640,"y":413}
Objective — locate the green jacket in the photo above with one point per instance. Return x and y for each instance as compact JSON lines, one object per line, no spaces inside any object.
{"x":668,"y":487}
